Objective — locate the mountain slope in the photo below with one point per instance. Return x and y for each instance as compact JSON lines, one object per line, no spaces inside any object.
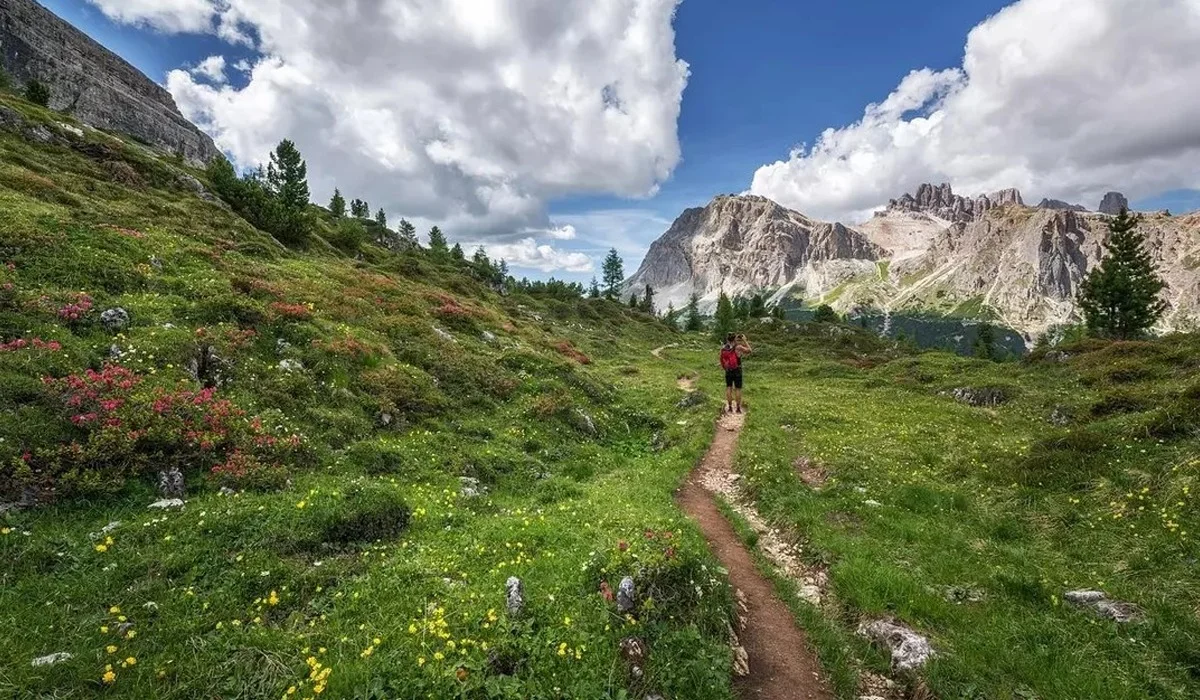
{"x":742,"y":243}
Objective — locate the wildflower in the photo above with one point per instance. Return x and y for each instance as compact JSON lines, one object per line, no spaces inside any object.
{"x":103,"y":629}
{"x":562,"y":649}
{"x":131,"y":634}
{"x":101,"y":548}
{"x":438,"y":656}
{"x":109,"y":677}
{"x":420,"y":661}
{"x":273,"y":599}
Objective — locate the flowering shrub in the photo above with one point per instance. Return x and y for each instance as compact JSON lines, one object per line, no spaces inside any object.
{"x":77,"y":309}
{"x":245,"y":471}
{"x":35,"y":343}
{"x":126,"y":428}
{"x":291,"y":312}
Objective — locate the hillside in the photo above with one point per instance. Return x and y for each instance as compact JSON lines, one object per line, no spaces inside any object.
{"x":370,"y":445}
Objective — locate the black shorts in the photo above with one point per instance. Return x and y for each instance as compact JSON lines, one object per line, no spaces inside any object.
{"x":733,"y":378}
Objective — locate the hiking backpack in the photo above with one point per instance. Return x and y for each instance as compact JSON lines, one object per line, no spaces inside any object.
{"x":729,"y":358}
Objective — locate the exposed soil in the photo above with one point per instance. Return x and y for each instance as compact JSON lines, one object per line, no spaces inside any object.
{"x":686,"y":383}
{"x":782,"y":664}
{"x":657,"y":352}
{"x":810,"y":472}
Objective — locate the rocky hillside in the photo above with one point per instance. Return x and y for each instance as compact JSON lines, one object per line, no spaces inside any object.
{"x":743,"y":243}
{"x":989,"y":256}
{"x":92,"y":83}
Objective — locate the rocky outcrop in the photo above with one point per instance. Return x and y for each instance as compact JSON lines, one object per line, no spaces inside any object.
{"x":941,"y":202}
{"x":741,"y":243}
{"x":1113,"y":203}
{"x":93,"y":84}
{"x":1059,"y":204}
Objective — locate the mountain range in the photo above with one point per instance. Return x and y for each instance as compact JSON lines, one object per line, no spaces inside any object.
{"x":985,"y":257}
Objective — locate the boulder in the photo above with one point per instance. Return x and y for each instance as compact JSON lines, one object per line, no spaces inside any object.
{"x":909,"y":650}
{"x":1100,"y":604}
{"x":444,"y":335}
{"x":51,"y":659}
{"x":1113,"y":203}
{"x":514,"y":599}
{"x":167,"y":503}
{"x":469,"y":487}
{"x":626,"y":596}
{"x":170,"y":483}
{"x":290,"y":365}
{"x":488,"y":337}
{"x":980,"y":396}
{"x":114,"y":320}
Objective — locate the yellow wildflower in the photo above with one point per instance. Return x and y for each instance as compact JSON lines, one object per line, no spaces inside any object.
{"x":111,"y":648}
{"x":109,"y":678}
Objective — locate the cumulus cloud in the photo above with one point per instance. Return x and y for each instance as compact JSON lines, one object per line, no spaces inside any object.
{"x":172,"y":16}
{"x":212,"y":68}
{"x":527,"y":254}
{"x":470,"y":113}
{"x":1061,"y":98}
{"x":566,"y":232}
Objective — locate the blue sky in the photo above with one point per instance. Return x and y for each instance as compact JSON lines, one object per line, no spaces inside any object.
{"x":765,"y":76}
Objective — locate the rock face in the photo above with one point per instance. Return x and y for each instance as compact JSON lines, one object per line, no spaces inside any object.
{"x":92,"y":83}
{"x":1059,"y":204}
{"x":933,"y":250}
{"x":1113,"y":203}
{"x":744,"y":243}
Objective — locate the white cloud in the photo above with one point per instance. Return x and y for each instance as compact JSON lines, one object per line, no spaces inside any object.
{"x":471,"y":113}
{"x":527,"y":254}
{"x":566,"y":232}
{"x":212,"y":68}
{"x":1061,"y":98}
{"x":172,"y":16}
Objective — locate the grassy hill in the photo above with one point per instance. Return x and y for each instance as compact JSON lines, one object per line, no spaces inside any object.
{"x":372,"y":443}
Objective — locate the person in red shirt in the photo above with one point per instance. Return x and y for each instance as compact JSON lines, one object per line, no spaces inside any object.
{"x":736,"y":347}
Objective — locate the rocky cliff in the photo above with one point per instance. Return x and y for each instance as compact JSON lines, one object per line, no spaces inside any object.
{"x":987,"y":256}
{"x":744,"y":243}
{"x":92,"y":83}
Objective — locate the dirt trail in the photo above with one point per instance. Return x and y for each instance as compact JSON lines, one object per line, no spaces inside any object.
{"x":657,"y":352}
{"x":782,"y":663}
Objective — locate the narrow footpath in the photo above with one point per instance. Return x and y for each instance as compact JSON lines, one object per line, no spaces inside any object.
{"x":782,"y":664}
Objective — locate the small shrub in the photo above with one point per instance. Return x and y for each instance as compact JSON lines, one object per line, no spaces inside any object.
{"x":567,"y":349}
{"x":1120,"y":402}
{"x":37,"y":93}
{"x":376,"y":457}
{"x":244,"y":471}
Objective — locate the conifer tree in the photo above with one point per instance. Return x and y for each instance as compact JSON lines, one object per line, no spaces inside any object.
{"x":633,"y":302}
{"x":287,"y":182}
{"x":381,"y":218}
{"x":594,"y":289}
{"x":407,"y":233}
{"x":985,"y":341}
{"x":456,"y":253}
{"x":613,"y":271}
{"x":693,"y":322}
{"x":1120,"y":297}
{"x":672,"y":316}
{"x":725,"y":321}
{"x":359,"y":209}
{"x":437,"y":241}
{"x":337,"y":205}
{"x":825,"y":314}
{"x":37,"y":93}
{"x":647,"y":304}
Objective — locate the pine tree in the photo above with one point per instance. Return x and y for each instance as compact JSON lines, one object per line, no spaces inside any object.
{"x":287,"y":182}
{"x":693,"y":322}
{"x":613,"y":271}
{"x":37,"y":93}
{"x":456,"y":253}
{"x":437,"y":241}
{"x":337,"y":205}
{"x":672,"y":316}
{"x":825,"y":314}
{"x":502,"y":273}
{"x":758,"y":306}
{"x":647,"y":304}
{"x":381,"y":218}
{"x":594,"y":289}
{"x":1120,"y":297}
{"x":985,"y":342}
{"x":633,"y":302}
{"x":359,"y":209}
{"x":407,"y":233}
{"x":480,"y":258}
{"x":778,"y":312}
{"x":724,"y":321}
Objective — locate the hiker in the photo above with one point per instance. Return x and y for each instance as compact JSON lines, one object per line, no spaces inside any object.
{"x":735,"y":348}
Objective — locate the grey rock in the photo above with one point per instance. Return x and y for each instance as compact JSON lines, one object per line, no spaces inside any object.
{"x":691,"y":399}
{"x":39,"y":134}
{"x":1102,"y":606}
{"x":226,"y":491}
{"x":626,"y":596}
{"x":584,"y":423}
{"x":1113,"y":203}
{"x":92,"y":83}
{"x":980,"y":396}
{"x":70,"y":129}
{"x":909,"y":650}
{"x":468,"y":487}
{"x":167,"y":503}
{"x":444,"y":335}
{"x":872,"y":503}
{"x":1061,"y":416}
{"x":385,"y":419}
{"x":156,"y":262}
{"x":1059,"y":204}
{"x":290,"y":365}
{"x":114,"y":320}
{"x":51,"y":659}
{"x":170,"y":483}
{"x":206,"y":367}
{"x":942,"y":202}
{"x":488,"y":337}
{"x":115,"y":352}
{"x":634,"y":653}
{"x":282,"y":346}
{"x":514,"y":596}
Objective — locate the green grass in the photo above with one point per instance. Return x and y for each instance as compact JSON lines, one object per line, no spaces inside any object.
{"x":999,"y":501}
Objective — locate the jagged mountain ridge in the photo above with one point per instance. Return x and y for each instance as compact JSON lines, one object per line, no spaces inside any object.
{"x":93,"y":84}
{"x":988,"y":256}
{"x":740,"y":243}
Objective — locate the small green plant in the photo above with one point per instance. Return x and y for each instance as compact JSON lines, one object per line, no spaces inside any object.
{"x":37,"y":93}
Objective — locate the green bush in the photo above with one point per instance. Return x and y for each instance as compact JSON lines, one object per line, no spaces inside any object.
{"x":37,"y":93}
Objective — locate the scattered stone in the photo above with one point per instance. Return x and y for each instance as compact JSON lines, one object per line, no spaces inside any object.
{"x":70,"y":129}
{"x":872,"y":503}
{"x":625,"y":596}
{"x":39,"y":133}
{"x":959,"y":594}
{"x":156,"y":262}
{"x":514,"y":596}
{"x":105,"y":530}
{"x":488,"y":337}
{"x":810,"y":472}
{"x":810,"y":593}
{"x":290,"y":365}
{"x":1113,"y":203}
{"x":206,"y":367}
{"x":909,"y":650}
{"x":981,"y":396}
{"x":114,"y":320}
{"x":692,"y":399}
{"x":1061,"y":416}
{"x":282,"y":346}
{"x":115,"y":352}
{"x":167,"y":503}
{"x":469,"y":487}
{"x":634,"y":653}
{"x":1057,"y":356}
{"x":51,"y":659}
{"x":226,"y":491}
{"x":170,"y":483}
{"x":444,"y":335}
{"x":1099,"y":602}
{"x":741,"y":659}
{"x":585,"y":424}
